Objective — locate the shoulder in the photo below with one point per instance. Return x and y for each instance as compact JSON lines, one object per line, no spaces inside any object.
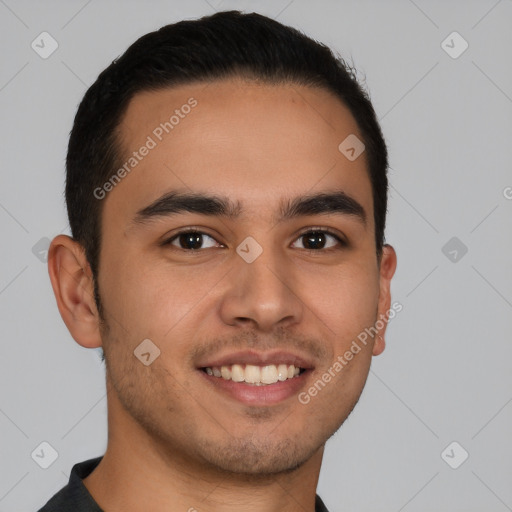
{"x":74,"y":497}
{"x":319,"y":505}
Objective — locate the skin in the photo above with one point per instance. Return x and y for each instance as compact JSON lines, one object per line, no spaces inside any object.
{"x":174,"y":441}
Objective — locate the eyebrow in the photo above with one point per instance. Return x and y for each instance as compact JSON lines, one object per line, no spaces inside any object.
{"x":175,"y":202}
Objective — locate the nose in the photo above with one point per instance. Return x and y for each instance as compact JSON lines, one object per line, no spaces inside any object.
{"x":261,"y":293}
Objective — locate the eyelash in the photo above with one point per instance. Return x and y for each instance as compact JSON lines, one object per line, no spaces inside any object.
{"x":341,"y":243}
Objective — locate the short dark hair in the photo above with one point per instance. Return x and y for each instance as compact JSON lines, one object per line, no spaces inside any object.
{"x":224,"y":45}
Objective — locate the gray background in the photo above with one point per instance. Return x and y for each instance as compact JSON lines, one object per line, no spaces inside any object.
{"x":445,"y":374}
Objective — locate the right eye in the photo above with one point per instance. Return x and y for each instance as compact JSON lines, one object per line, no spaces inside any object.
{"x":190,"y":240}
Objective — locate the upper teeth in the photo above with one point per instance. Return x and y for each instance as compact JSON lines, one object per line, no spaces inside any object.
{"x":251,"y":374}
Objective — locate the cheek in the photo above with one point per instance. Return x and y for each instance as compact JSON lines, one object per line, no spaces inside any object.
{"x":345,"y":299}
{"x":152,"y":299}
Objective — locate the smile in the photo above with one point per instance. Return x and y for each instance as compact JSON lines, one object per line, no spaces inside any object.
{"x":255,"y":375}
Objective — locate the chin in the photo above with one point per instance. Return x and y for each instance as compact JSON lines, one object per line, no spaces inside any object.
{"x":254,"y":458}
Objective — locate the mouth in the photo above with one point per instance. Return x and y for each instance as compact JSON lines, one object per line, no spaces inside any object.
{"x":256,"y":379}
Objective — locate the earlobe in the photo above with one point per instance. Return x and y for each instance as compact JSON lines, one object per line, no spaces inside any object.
{"x":379,"y":344}
{"x":387,"y":270}
{"x":73,"y":286}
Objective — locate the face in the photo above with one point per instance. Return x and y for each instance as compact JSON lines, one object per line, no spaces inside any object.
{"x":250,"y":281}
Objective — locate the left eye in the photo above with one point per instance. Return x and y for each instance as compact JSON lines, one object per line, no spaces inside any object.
{"x":319,"y":240}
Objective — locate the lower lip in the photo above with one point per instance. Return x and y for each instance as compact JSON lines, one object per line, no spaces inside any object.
{"x":251,"y":394}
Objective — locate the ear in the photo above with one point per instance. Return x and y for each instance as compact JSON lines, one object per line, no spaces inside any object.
{"x":387,"y":269}
{"x":72,"y":283}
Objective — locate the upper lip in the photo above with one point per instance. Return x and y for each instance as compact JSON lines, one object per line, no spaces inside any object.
{"x":258,"y":359}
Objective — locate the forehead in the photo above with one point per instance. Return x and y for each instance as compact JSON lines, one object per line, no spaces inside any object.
{"x":240,"y":103}
{"x":254,"y":142}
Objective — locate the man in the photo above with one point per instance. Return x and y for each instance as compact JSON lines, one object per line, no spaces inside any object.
{"x":226,"y":190}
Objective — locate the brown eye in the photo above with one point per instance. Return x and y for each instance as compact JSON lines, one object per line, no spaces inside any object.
{"x":319,"y":239}
{"x":191,"y":241}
